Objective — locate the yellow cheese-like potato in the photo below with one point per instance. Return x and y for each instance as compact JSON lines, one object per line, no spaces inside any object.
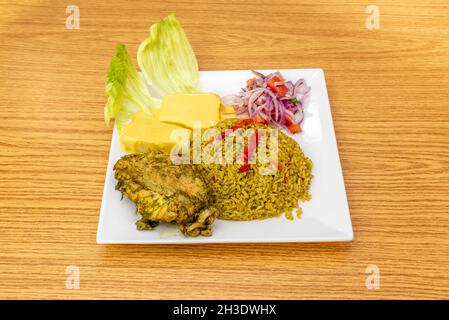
{"x":145,"y":131}
{"x":186,"y":108}
{"x":227,"y":112}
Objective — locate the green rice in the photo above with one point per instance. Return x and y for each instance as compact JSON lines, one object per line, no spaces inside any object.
{"x":250,"y":195}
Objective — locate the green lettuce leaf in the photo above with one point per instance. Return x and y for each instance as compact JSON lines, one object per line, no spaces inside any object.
{"x":167,"y":60}
{"x":127,"y":92}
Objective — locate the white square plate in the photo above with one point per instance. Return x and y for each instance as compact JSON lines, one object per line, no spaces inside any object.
{"x":325,"y":218}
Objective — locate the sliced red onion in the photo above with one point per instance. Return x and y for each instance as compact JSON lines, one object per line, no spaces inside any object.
{"x":251,"y":102}
{"x":289,"y":86}
{"x":260,"y":100}
{"x":275,"y":103}
{"x":269,"y":104}
{"x":297,"y":84}
{"x":258,"y":74}
{"x":264,"y":116}
{"x":258,"y":110}
{"x":300,"y":90}
{"x":289,"y":114}
{"x":282,"y":110}
{"x":299,"y":116}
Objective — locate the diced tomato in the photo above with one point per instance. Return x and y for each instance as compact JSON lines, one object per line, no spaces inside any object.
{"x":259,"y":119}
{"x":245,"y":167}
{"x":288,"y":121}
{"x":294,"y":128}
{"x":242,"y":123}
{"x":278,"y":165}
{"x":251,"y":147}
{"x":248,"y":121}
{"x":280,"y":89}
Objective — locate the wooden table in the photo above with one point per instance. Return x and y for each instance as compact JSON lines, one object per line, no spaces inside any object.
{"x":388,"y":90}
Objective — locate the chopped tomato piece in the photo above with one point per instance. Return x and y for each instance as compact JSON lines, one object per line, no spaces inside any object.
{"x":249,"y":150}
{"x":245,"y":167}
{"x":278,"y":165}
{"x":294,"y":128}
{"x":248,"y":121}
{"x":259,"y":119}
{"x":279,"y":89}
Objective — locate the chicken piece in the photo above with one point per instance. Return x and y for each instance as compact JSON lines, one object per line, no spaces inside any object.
{"x":165,"y":192}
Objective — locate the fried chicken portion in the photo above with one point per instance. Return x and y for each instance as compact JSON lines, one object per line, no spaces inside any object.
{"x":165,"y":192}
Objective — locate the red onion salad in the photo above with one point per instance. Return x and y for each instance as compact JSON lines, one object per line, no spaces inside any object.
{"x":273,"y":99}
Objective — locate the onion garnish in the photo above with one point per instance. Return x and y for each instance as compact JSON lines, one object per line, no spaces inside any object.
{"x":272,"y":98}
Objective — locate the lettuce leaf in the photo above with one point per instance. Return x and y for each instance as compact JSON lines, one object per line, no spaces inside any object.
{"x":167,"y":60}
{"x":127,"y":92}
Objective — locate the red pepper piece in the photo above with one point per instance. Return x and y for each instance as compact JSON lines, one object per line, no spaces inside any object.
{"x":249,"y":149}
{"x":245,"y":167}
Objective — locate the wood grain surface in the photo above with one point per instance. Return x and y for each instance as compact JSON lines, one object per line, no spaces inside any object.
{"x":388,"y":90}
